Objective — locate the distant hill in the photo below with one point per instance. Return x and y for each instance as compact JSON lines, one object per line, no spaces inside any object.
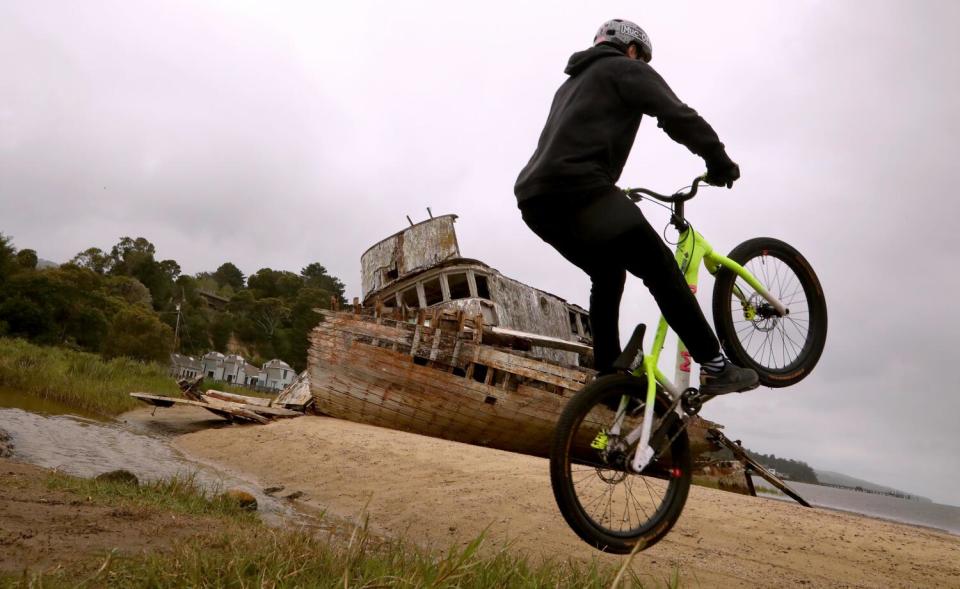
{"x":41,"y":264}
{"x":827,"y":477}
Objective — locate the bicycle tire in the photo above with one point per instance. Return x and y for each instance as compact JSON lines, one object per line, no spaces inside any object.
{"x":790,"y":346}
{"x":570,"y":455}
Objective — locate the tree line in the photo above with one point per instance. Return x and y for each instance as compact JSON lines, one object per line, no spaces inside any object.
{"x":795,"y":470}
{"x":123,"y":302}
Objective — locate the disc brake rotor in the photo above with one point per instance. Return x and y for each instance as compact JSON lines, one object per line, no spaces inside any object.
{"x":761,"y":313}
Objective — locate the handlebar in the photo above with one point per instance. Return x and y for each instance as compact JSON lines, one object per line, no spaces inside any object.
{"x":677,"y":197}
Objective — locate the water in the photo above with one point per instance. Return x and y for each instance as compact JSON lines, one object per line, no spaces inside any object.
{"x":86,"y":447}
{"x":10,"y":399}
{"x":933,"y":515}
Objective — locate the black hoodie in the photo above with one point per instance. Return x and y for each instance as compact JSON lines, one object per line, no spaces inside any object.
{"x":594,"y":120}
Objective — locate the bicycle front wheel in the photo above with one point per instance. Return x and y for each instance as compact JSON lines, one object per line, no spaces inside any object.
{"x":607,"y":505}
{"x":783,"y":350}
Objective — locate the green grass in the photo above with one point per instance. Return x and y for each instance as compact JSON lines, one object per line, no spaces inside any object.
{"x":180,"y":494}
{"x":80,"y":380}
{"x":246,"y":553}
{"x":275,"y":558}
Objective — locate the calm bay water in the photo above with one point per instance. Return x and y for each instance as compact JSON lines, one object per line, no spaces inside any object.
{"x":933,"y":515}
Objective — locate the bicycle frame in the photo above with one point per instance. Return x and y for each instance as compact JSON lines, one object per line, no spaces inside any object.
{"x":692,"y":250}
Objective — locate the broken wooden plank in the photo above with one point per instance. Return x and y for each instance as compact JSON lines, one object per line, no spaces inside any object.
{"x":224,"y":396}
{"x":297,"y":394}
{"x":226,"y":409}
{"x":221,"y":411}
{"x":254,"y":409}
{"x":752,"y":466}
{"x":161,"y":401}
{"x":544,"y":341}
{"x":234,"y":409}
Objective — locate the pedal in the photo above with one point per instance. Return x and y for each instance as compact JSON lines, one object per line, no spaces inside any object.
{"x":692,"y":401}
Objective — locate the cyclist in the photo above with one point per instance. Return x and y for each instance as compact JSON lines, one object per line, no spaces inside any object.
{"x":568,"y":196}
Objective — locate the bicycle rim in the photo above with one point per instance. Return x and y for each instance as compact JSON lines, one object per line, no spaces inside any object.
{"x":776,"y":344}
{"x":608,"y":506}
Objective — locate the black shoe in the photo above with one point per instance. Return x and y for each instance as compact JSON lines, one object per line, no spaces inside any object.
{"x":732,"y":379}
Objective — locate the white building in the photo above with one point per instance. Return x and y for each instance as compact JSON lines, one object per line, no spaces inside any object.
{"x":277,"y":374}
{"x":213,"y":365}
{"x":184,"y":366}
{"x":234,"y":369}
{"x":251,"y":376}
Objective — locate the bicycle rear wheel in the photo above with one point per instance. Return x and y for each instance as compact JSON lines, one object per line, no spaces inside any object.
{"x":783,"y":350}
{"x":609,"y":507}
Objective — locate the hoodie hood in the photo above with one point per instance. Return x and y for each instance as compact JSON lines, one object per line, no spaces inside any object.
{"x":580,"y":60}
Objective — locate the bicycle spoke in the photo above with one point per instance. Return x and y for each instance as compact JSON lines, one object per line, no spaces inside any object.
{"x":785,"y":340}
{"x":773,"y":342}
{"x":611,"y":498}
{"x":636,"y":502}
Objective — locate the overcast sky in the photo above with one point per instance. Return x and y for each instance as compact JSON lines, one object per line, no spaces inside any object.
{"x":278,"y":133}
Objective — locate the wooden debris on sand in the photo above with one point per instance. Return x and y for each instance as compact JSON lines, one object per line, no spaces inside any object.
{"x":289,"y":403}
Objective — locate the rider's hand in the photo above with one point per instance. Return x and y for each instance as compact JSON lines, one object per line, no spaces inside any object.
{"x":723,"y":173}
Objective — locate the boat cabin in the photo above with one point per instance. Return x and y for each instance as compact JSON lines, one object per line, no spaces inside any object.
{"x":421,"y":267}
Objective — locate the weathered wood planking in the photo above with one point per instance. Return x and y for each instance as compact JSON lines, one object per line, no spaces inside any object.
{"x":297,"y":395}
{"x":415,"y":378}
{"x":215,"y":402}
{"x":224,"y":396}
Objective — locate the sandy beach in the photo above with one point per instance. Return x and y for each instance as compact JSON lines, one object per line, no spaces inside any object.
{"x":437,"y":493}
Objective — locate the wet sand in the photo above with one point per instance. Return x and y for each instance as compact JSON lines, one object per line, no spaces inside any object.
{"x":437,"y":493}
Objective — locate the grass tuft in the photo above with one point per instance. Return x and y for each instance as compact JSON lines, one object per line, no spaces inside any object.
{"x":80,"y":380}
{"x":179,"y":494}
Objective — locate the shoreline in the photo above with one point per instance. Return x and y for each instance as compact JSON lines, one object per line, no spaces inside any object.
{"x":440,"y":493}
{"x":869,"y":516}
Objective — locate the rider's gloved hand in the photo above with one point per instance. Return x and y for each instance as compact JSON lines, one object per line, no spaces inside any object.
{"x":723,"y":172}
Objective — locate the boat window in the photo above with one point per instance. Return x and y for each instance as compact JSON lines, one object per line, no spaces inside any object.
{"x":432,"y":292}
{"x":482,"y":291}
{"x":573,"y":323}
{"x":459,"y":287}
{"x":480,"y":373}
{"x":409,"y":298}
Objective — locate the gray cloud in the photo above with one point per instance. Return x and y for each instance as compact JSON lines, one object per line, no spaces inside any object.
{"x":276,"y":135}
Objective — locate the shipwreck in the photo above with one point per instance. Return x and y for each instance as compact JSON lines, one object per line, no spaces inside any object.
{"x":447,"y":346}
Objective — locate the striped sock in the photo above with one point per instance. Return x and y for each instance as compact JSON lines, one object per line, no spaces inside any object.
{"x":714,"y":366}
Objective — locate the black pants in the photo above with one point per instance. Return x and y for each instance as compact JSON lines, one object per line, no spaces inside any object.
{"x":606,"y":235}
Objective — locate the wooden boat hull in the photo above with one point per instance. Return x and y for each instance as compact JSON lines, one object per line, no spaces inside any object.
{"x":437,"y":382}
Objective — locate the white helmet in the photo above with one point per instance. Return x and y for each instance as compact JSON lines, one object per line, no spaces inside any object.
{"x":621,"y":33}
